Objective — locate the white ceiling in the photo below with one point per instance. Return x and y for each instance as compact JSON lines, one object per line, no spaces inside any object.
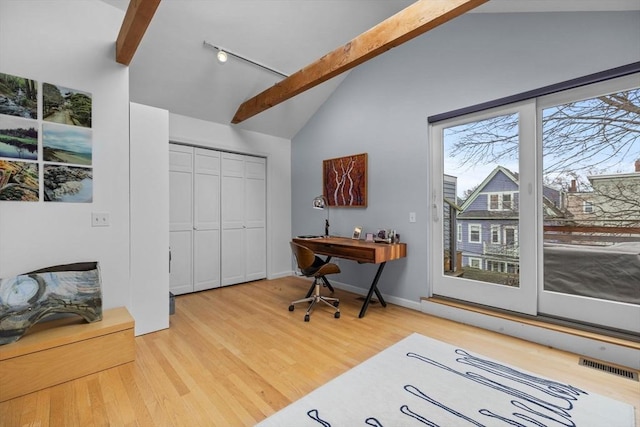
{"x":173,"y":68}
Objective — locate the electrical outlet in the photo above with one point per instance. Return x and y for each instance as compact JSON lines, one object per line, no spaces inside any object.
{"x":412,"y":217}
{"x":100,"y":219}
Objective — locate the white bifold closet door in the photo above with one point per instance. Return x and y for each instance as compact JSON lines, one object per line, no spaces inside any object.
{"x":206,"y":220}
{"x":194,"y":218}
{"x":217,"y":205}
{"x":243,"y":218}
{"x":181,"y":218}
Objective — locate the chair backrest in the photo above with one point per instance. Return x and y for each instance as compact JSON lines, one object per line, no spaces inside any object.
{"x":304,"y":256}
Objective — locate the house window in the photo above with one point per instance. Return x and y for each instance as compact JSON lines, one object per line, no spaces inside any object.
{"x":494,"y":202}
{"x":495,"y":266}
{"x":475,"y":263}
{"x":475,"y":233}
{"x":459,"y":232}
{"x":510,"y":236}
{"x":500,"y":201}
{"x":513,"y":268}
{"x":506,"y":202}
{"x":495,"y":234}
{"x":587,"y":207}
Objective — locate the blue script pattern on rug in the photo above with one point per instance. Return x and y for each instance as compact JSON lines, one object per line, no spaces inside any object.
{"x":424,"y":382}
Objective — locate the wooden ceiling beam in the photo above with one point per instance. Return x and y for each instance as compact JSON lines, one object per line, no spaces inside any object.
{"x":135,"y":23}
{"x":410,"y":22}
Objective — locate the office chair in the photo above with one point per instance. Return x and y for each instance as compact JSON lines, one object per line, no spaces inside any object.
{"x":312,"y":266}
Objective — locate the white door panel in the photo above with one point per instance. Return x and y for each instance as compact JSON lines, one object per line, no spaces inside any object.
{"x":255,"y":254}
{"x":206,"y":262}
{"x":233,"y":257}
{"x":180,"y":158}
{"x":255,"y":203}
{"x":180,"y":279}
{"x":180,"y":201}
{"x":243,"y":218}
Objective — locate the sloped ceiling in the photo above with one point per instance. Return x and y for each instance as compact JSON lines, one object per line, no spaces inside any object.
{"x":174,"y":69}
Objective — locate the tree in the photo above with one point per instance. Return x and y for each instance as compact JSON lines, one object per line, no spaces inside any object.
{"x":579,"y":138}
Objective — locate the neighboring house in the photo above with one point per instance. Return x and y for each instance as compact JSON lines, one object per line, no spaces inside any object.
{"x":487,"y":226}
{"x":612,"y":201}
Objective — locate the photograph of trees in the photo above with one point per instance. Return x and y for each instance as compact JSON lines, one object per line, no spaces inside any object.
{"x":66,"y":106}
{"x":18,"y":138}
{"x":18,"y":96}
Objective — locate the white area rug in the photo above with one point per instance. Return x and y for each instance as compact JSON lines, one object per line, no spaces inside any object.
{"x":420,"y":381}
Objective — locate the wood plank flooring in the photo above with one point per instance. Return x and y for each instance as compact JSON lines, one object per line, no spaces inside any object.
{"x":235,"y":355}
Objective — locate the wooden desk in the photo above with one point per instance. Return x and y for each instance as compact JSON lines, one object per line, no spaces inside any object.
{"x":360,"y":251}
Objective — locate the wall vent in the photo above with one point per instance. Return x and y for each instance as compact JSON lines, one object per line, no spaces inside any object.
{"x":601,"y":366}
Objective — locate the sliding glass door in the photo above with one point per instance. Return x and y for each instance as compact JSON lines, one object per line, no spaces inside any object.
{"x":590,"y":258}
{"x":480,"y":209}
{"x":536,"y":206}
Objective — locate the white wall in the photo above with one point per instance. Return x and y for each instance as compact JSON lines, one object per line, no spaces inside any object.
{"x":382,"y":107}
{"x":72,"y":44}
{"x":277,"y":151}
{"x":149,"y":174}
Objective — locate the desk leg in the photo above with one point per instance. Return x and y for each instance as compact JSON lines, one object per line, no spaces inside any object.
{"x":372,"y":289}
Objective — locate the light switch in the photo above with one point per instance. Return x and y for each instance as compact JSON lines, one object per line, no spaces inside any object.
{"x":100,"y":219}
{"x":412,"y":217}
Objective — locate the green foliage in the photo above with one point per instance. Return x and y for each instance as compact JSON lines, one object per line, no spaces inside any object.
{"x":81,"y":107}
{"x":52,"y":98}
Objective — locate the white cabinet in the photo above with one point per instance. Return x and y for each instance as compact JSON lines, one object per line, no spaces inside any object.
{"x":217,"y":218}
{"x":243,"y":218}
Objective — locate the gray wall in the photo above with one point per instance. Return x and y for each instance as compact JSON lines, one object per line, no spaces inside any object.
{"x":382,"y":107}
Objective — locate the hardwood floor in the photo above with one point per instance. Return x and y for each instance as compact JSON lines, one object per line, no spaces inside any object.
{"x":235,"y":355}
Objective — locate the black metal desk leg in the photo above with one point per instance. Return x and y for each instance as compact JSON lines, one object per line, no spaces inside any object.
{"x":373,"y":289}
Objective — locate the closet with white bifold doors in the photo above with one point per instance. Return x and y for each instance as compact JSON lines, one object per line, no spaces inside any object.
{"x":244,"y":255}
{"x":216,"y":207}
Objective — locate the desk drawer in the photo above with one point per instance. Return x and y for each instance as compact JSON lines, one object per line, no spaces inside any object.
{"x":347,"y":252}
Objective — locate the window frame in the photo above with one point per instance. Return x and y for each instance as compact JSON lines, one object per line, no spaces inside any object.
{"x":472,"y":259}
{"x":470,"y":230}
{"x":587,"y":207}
{"x":527,"y":299}
{"x":496,"y":229}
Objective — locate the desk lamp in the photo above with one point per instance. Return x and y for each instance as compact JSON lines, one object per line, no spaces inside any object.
{"x":321,"y":202}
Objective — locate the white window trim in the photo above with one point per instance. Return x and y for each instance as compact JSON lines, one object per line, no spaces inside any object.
{"x":472,"y":259}
{"x":459,"y":232}
{"x":500,"y":195}
{"x":496,"y":228}
{"x":512,"y":201}
{"x":585,"y":204}
{"x":479,"y":233}
{"x":489,"y":208}
{"x":527,"y":298}
{"x":515,"y":233}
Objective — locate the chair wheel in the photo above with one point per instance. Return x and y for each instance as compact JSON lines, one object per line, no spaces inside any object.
{"x":337,"y":315}
{"x":291,"y":307}
{"x":306,"y":317}
{"x":336,"y":303}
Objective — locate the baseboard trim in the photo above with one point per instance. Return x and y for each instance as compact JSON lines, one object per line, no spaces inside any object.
{"x":413,"y":305}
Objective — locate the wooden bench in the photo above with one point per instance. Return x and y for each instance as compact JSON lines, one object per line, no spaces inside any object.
{"x":65,"y":349}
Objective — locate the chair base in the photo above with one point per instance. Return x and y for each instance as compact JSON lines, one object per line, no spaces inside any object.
{"x":315,"y":299}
